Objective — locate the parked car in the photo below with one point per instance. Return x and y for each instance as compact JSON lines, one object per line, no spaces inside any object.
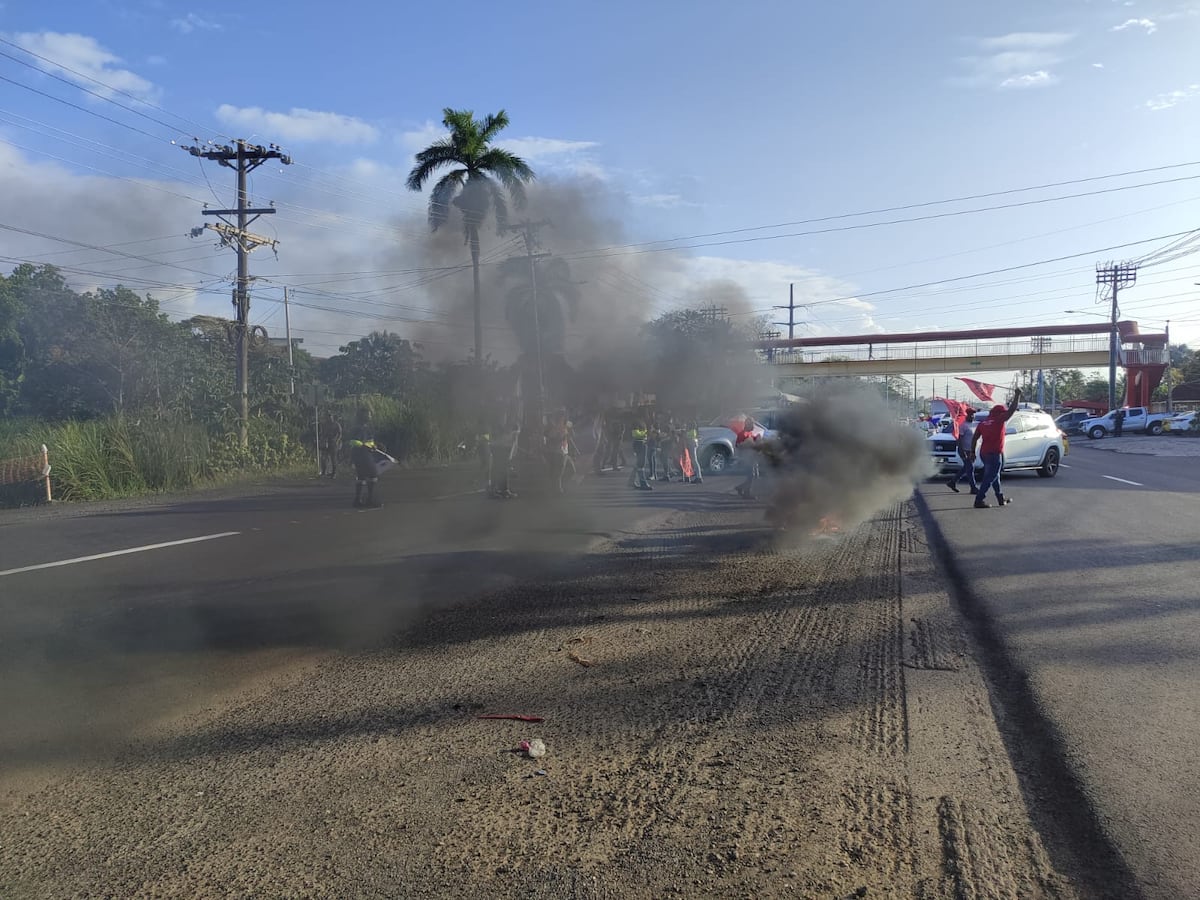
{"x":1137,"y":419}
{"x":1181,"y":422}
{"x":1032,"y":441}
{"x":1069,"y":421}
{"x":718,"y":442}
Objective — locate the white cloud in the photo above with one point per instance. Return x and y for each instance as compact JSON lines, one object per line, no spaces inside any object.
{"x":1040,"y":78}
{"x":661,"y":201}
{"x":417,"y":139}
{"x":1097,"y":65}
{"x":1148,"y":24}
{"x":192,"y":22}
{"x":1022,"y":59}
{"x":85,"y":61}
{"x":765,"y":284}
{"x":1173,"y":98}
{"x":1026,"y":40}
{"x":298,"y":124}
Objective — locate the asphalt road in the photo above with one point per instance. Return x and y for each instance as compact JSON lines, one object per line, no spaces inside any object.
{"x":191,"y":599}
{"x":1091,"y":579}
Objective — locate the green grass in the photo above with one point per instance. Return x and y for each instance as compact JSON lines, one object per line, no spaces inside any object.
{"x":106,"y":459}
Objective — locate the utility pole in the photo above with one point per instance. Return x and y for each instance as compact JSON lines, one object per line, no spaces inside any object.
{"x":1115,"y":276}
{"x":791,"y":308}
{"x":287,"y":324}
{"x":529,"y":230}
{"x":1168,"y":333}
{"x":243,"y":158}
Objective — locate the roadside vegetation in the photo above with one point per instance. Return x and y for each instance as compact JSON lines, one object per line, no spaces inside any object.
{"x":129,"y":401}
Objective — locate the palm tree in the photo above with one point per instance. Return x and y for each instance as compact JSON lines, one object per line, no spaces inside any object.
{"x":481,"y":180}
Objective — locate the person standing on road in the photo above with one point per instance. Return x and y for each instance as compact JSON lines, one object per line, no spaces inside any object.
{"x":600,"y":437}
{"x":366,"y":477}
{"x":966,"y":450}
{"x":637,"y":480}
{"x":558,"y":450}
{"x":990,"y":434}
{"x":503,"y":450}
{"x":331,"y":442}
{"x":692,"y":439}
{"x":1118,"y":422}
{"x":616,"y":440}
{"x":745,"y":433}
{"x":483,"y":453}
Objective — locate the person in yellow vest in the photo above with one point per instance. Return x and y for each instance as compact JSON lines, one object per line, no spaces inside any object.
{"x":639,"y":433}
{"x":366,"y":477}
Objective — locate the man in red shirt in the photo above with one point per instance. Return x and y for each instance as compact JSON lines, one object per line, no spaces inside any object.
{"x":990,"y":432}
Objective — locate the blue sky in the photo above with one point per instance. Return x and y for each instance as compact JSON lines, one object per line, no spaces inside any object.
{"x":681,"y":118}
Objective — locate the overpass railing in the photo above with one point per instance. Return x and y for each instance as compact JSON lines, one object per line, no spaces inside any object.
{"x":949,"y":350}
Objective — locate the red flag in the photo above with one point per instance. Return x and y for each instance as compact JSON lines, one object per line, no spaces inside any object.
{"x":978,"y":388}
{"x":956,"y":411}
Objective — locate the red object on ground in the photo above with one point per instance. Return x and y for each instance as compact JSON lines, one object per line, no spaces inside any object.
{"x":515,"y":718}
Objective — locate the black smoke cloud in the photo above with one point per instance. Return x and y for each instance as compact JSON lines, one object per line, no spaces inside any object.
{"x":840,"y":456}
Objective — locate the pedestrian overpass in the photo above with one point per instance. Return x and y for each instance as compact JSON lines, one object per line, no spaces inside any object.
{"x":1077,"y":346}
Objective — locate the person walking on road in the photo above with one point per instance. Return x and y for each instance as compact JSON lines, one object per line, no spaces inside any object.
{"x":331,"y":442}
{"x":990,"y":434}
{"x":966,"y":450}
{"x":1118,"y":422}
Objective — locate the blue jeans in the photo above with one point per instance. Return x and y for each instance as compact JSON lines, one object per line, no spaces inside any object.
{"x":638,"y":477}
{"x":967,"y":473}
{"x":992,"y":464}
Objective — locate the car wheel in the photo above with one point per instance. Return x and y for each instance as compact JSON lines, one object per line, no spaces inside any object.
{"x":1096,"y":432}
{"x":715,"y":460}
{"x":1049,"y":467}
{"x":1155,"y":428}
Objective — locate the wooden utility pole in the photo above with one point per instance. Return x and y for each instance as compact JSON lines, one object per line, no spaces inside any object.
{"x":243,"y":158}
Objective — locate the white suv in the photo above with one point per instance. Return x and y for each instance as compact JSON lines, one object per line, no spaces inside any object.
{"x":1032,"y":441}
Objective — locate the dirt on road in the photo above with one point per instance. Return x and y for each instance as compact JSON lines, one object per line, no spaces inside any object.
{"x":722,"y":717}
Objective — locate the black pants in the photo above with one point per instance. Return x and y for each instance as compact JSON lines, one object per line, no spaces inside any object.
{"x":364,"y":475}
{"x":329,"y":460}
{"x":501,"y":456}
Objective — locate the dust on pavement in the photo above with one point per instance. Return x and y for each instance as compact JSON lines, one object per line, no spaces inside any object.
{"x":722,"y":719}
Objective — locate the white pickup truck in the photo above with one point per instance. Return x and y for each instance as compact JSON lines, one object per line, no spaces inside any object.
{"x":1137,"y":418}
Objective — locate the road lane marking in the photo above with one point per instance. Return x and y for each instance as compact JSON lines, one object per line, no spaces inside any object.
{"x":1123,"y":480}
{"x":1065,"y":466}
{"x":80,"y":559}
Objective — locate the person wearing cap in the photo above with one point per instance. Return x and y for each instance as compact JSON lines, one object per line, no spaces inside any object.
{"x":990,"y":434}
